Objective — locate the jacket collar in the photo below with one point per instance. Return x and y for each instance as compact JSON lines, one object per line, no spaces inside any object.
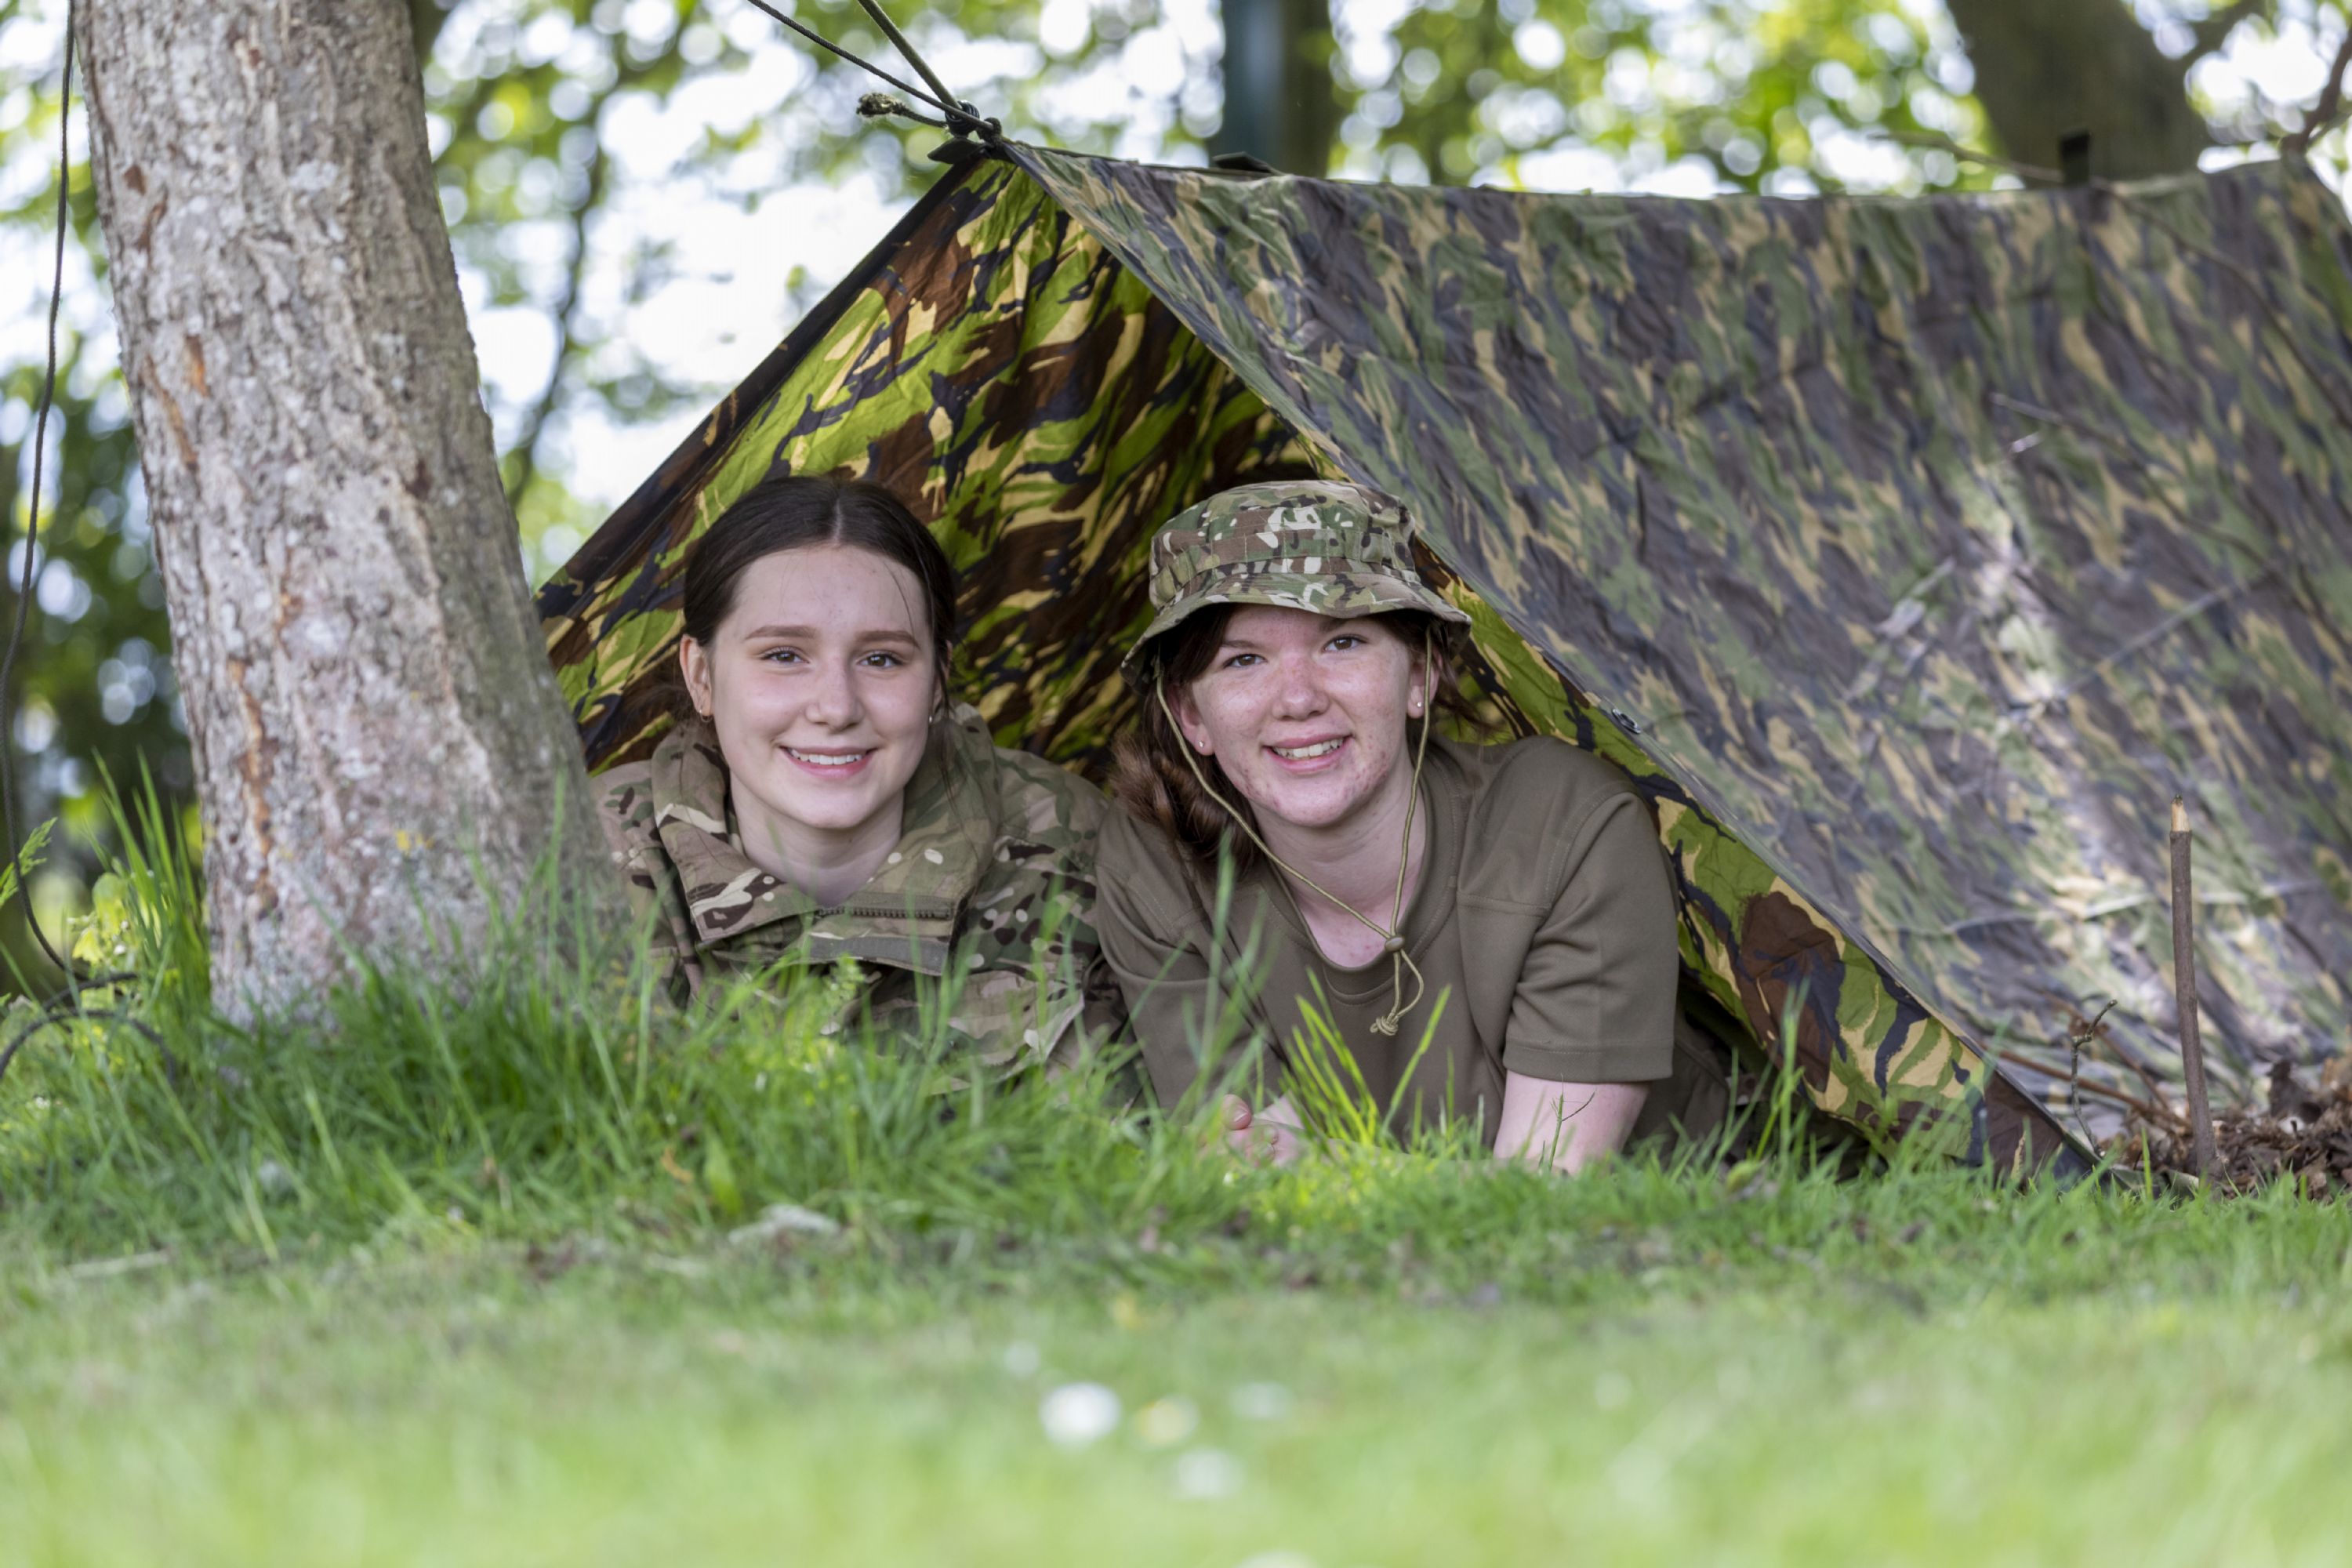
{"x":906,"y":916}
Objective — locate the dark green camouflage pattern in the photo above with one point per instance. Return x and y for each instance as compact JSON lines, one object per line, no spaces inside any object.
{"x":1911,"y":555}
{"x":981,"y":912}
{"x":1317,"y":545}
{"x":1932,"y":546}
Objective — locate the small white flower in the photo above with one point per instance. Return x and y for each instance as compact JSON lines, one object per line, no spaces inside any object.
{"x":1078,"y":1413}
{"x":1204,"y":1475}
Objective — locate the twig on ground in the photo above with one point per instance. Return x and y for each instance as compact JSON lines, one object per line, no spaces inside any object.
{"x":2083,"y":1033}
{"x":2184,"y":987}
{"x":2123,"y":1053}
{"x":2157,"y":1112}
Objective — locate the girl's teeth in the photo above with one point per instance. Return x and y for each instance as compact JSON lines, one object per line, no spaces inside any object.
{"x":815,"y":761}
{"x":1306,"y":754}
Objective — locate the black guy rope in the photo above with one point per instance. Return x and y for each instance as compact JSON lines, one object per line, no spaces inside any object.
{"x":33,"y":519}
{"x":898,"y":41}
{"x":960,"y":119}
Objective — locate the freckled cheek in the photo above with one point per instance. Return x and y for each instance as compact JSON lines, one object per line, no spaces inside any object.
{"x":1235,"y":718}
{"x":758,"y":706}
{"x":896,"y":711}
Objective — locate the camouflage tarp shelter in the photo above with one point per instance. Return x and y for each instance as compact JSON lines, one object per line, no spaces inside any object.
{"x":1911,"y":553}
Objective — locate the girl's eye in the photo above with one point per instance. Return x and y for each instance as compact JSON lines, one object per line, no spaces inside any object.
{"x":1346,"y":640}
{"x":1240,"y":661}
{"x":883,"y":661}
{"x":781,"y":655}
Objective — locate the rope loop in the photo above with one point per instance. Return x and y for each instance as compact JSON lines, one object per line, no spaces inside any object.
{"x":958,"y":118}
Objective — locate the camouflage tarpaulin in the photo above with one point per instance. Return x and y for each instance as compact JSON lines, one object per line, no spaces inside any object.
{"x":1931,"y":545}
{"x":1923,"y":550}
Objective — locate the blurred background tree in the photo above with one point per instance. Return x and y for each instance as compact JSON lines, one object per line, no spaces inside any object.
{"x":643,"y":193}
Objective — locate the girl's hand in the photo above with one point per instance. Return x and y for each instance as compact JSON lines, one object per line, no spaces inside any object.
{"x":1269,"y":1137}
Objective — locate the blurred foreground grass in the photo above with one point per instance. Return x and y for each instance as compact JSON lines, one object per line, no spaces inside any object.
{"x":478,"y":1274}
{"x":468,"y":1403}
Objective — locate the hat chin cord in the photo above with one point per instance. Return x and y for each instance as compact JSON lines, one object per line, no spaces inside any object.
{"x":1392,"y":934}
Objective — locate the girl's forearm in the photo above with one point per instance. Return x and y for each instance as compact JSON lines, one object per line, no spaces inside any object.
{"x":1565,"y":1126}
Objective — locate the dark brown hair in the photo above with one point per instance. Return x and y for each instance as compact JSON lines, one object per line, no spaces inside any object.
{"x":1150,"y":775}
{"x":792,"y":511}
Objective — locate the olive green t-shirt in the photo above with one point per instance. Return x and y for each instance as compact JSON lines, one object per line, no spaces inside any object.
{"x":1543,"y":926}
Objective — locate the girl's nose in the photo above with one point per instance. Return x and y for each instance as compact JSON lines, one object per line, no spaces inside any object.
{"x":1300,"y":691}
{"x":833,"y":701}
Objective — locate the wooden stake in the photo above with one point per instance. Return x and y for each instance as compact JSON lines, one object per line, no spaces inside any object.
{"x":2184,"y":988}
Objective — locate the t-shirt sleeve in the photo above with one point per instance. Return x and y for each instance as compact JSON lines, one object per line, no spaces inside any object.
{"x":1595,"y":1001}
{"x":1175,"y":1001}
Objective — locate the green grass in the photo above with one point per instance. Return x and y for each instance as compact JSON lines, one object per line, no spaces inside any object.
{"x":447,"y":1277}
{"x":1946,"y":1403}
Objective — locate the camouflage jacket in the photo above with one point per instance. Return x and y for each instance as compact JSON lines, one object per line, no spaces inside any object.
{"x":987,"y":897}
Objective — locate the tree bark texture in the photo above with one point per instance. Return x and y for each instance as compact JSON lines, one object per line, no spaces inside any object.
{"x":380,"y":745}
{"x":2044,"y":68}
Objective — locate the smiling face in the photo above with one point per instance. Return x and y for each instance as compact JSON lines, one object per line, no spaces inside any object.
{"x":821,"y":682}
{"x":1306,"y":714}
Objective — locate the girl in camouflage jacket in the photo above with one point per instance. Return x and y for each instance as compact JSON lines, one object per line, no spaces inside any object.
{"x":821,"y":800}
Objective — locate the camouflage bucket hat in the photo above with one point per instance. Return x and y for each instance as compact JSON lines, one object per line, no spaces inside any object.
{"x":1337,"y":550}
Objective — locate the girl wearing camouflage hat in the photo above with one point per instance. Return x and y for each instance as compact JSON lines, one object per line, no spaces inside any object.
{"x":821,"y":800}
{"x":1508,"y":903}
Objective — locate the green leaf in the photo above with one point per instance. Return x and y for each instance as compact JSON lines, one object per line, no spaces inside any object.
{"x":718,"y":1180}
{"x":28,"y":858}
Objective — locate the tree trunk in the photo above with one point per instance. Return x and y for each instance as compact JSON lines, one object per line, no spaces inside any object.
{"x":380,"y":746}
{"x":1280,"y":104}
{"x":2044,"y":68}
